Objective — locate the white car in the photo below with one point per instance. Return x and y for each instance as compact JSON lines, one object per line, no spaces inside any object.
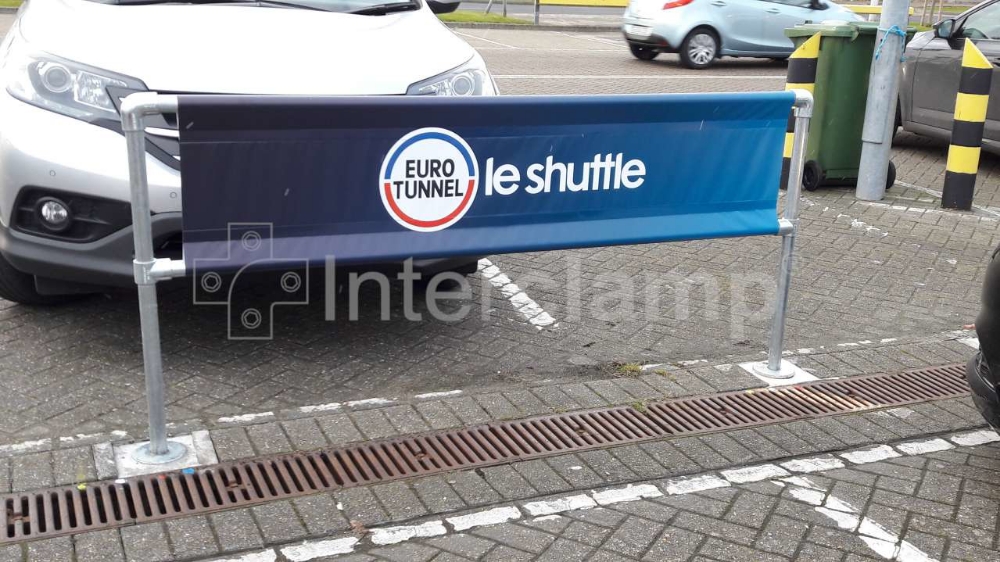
{"x":704,"y":30}
{"x":66,"y":64}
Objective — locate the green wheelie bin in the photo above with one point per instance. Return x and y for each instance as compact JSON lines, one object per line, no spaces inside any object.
{"x":833,"y":153}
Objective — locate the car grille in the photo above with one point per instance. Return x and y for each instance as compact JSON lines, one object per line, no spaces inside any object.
{"x":161,"y":130}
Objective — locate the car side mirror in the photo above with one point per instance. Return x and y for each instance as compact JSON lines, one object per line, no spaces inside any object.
{"x":944,"y":29}
{"x":817,"y":5}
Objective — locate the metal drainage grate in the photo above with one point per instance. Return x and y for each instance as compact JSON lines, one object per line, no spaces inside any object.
{"x":101,"y":505}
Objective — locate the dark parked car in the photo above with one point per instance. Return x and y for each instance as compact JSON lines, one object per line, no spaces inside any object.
{"x":983,"y":369}
{"x":932,"y":68}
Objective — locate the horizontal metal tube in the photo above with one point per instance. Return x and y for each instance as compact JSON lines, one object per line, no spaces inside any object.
{"x":165,"y":268}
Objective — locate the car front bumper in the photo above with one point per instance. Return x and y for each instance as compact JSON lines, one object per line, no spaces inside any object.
{"x":43,"y":150}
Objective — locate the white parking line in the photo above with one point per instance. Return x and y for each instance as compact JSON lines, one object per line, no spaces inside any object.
{"x":936,"y":193}
{"x":316,"y":549}
{"x":971,"y":342}
{"x":263,"y":556}
{"x":393,"y":535}
{"x":885,"y":543}
{"x":521,"y":302}
{"x":482,"y":518}
{"x":601,"y":40}
{"x":478,"y":38}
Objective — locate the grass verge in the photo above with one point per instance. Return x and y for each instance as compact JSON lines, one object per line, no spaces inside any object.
{"x":464,"y":16}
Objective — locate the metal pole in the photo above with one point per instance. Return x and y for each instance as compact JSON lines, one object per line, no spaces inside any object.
{"x":923,"y":12}
{"x":504,"y":8}
{"x":134,"y":109}
{"x":872,"y":17}
{"x":488,"y":6}
{"x":940,"y":9}
{"x":537,"y":10}
{"x":880,"y":111}
{"x":774,"y":367}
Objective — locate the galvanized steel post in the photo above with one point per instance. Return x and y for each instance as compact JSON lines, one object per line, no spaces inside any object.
{"x":148,"y":270}
{"x":967,"y":130}
{"x":775,"y":367}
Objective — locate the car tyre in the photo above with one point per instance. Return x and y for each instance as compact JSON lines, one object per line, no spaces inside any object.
{"x":19,"y":287}
{"x":439,"y":8}
{"x":812,"y":175}
{"x":643,"y":53}
{"x":699,"y":49}
{"x":890,"y":176}
{"x":898,"y":122}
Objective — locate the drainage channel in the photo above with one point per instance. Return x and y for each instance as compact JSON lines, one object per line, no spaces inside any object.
{"x":102,"y":505}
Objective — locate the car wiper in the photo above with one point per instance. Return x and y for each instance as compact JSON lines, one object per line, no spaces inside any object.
{"x":281,"y":3}
{"x":387,"y":8}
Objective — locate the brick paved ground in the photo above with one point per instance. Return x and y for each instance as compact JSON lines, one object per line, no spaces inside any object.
{"x":315,"y":517}
{"x":72,"y":459}
{"x":943,"y":505}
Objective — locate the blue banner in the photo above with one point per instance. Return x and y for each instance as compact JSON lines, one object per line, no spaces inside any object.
{"x":378,"y":179}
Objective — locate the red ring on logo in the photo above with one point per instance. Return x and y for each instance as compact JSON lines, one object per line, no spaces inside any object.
{"x":429,"y":224}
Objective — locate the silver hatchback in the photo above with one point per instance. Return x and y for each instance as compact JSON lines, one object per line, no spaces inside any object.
{"x":704,"y":30}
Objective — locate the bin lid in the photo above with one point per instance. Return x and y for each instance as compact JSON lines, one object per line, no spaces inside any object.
{"x":849,"y":29}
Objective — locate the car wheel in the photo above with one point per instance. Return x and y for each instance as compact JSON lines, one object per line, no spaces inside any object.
{"x":643,"y":53}
{"x":890,"y":176}
{"x":898,"y":122}
{"x":812,"y":175}
{"x":19,"y":287}
{"x":699,"y":49}
{"x":439,"y":8}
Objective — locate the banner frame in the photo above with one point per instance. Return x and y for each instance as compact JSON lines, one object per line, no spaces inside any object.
{"x":149,"y":270}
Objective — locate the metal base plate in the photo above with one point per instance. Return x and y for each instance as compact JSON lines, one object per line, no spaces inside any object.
{"x":787,"y":373}
{"x":144,"y":455}
{"x":785,"y":370}
{"x":184,"y":451}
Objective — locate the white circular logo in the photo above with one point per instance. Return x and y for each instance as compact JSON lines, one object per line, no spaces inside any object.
{"x":429,"y":180}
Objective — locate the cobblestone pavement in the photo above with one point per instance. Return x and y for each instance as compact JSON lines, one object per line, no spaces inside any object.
{"x":932,"y":498}
{"x":939,"y":506}
{"x":896,"y":269}
{"x":370,"y":513}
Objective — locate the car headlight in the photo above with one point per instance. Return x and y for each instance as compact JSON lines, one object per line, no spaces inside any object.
{"x":470,"y":79}
{"x":60,"y":85}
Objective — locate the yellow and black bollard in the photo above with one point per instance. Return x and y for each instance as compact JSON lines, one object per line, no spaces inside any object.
{"x":967,"y":132}
{"x":801,"y":76}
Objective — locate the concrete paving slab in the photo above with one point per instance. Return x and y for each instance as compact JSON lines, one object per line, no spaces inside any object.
{"x":199,"y":452}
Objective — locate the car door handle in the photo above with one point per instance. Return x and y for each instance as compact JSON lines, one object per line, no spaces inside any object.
{"x":718,"y":3}
{"x":774,"y":11}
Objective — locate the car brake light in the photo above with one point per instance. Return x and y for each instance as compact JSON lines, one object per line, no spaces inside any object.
{"x":676,"y":4}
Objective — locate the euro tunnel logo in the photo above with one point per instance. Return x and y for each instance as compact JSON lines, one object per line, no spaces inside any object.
{"x":429,"y":180}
